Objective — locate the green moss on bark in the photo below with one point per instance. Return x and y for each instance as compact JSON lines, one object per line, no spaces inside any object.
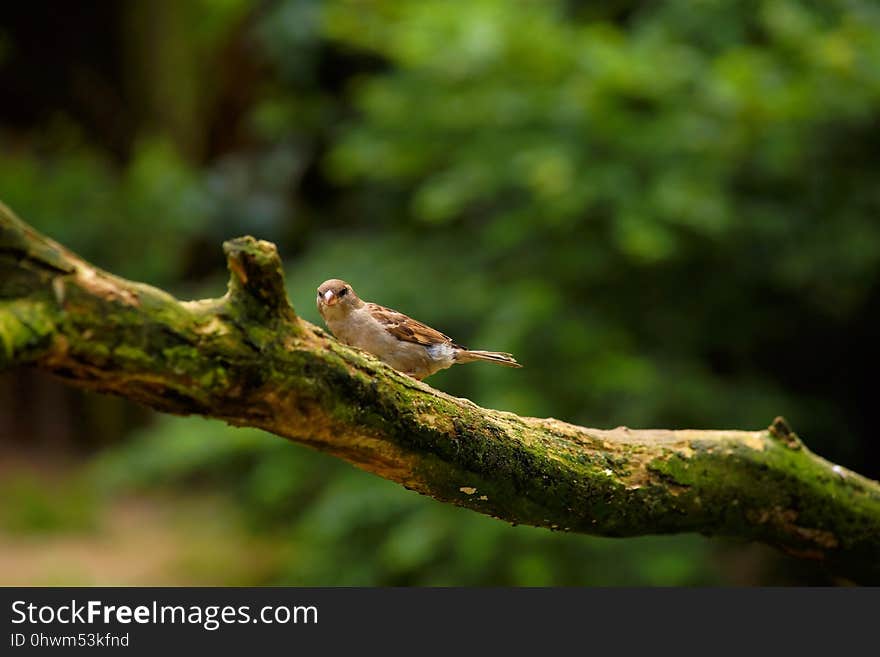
{"x":246,"y":358}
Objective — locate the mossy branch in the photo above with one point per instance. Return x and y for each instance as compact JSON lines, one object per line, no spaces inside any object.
{"x":248,"y":359}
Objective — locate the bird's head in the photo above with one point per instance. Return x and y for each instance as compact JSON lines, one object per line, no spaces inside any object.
{"x":336,"y":296}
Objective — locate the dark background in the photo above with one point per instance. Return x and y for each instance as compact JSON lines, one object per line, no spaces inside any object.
{"x":668,"y":211}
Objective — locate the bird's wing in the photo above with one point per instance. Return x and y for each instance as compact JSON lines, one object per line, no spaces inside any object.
{"x":407,"y":329}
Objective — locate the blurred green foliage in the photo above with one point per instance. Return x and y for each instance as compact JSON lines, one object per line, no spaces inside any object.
{"x":667,"y":211}
{"x":40,"y":508}
{"x":81,"y":201}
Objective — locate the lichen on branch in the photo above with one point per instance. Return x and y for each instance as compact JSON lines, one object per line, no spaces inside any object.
{"x":248,"y":359}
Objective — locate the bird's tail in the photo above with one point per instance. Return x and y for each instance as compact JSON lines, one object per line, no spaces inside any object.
{"x":468,"y":356}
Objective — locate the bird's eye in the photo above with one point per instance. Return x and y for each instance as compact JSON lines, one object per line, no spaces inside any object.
{"x":342,"y":292}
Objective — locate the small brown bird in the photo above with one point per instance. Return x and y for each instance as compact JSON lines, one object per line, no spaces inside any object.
{"x":402,"y":342}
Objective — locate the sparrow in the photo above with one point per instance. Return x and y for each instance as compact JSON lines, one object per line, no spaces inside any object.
{"x":405,"y":344}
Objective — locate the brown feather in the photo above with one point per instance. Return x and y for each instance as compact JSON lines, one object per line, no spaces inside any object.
{"x":407,"y":329}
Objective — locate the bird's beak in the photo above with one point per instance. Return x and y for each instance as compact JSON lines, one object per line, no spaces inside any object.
{"x":329,"y":298}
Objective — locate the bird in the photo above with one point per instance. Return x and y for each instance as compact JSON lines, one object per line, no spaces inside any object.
{"x":400,"y":341}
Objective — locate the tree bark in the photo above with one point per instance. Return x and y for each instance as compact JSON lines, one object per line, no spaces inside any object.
{"x":247,"y":358}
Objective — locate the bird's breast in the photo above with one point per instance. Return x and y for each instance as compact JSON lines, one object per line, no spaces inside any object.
{"x":359,"y":329}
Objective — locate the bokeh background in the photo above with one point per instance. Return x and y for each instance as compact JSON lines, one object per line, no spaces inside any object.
{"x":669,"y":211}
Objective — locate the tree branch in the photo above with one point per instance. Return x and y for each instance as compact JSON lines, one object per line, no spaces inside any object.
{"x":248,"y":359}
